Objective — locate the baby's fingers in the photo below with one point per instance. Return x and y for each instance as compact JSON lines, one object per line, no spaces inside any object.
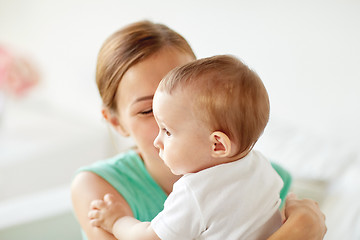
{"x":95,"y":222}
{"x":94,"y":214}
{"x":97,"y":204}
{"x":109,"y":198}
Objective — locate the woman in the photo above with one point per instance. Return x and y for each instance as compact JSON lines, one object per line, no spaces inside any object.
{"x":130,"y":65}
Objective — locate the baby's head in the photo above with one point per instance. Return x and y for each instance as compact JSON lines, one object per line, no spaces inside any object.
{"x":226,"y":95}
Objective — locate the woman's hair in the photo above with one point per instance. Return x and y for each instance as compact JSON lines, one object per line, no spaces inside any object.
{"x":128,"y":46}
{"x":226,"y":94}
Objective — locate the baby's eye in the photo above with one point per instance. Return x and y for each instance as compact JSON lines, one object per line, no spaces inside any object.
{"x":167,"y":132}
{"x":147,"y":112}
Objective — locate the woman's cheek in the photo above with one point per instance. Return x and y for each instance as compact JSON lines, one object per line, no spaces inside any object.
{"x":152,"y":129}
{"x":145,"y":130}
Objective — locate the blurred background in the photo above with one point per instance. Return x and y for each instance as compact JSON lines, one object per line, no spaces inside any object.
{"x":306,"y":52}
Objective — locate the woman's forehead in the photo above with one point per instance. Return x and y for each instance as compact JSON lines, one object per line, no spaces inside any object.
{"x":142,"y":79}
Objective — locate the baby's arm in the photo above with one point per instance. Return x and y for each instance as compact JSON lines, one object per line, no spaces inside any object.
{"x":107,"y":214}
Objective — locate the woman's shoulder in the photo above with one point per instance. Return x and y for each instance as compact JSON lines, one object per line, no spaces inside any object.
{"x":117,"y":170}
{"x":124,"y":174}
{"x":111,"y":173}
{"x":118,"y":163}
{"x":86,"y":187}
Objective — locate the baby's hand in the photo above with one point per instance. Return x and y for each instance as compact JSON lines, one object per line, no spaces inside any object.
{"x":104,"y":213}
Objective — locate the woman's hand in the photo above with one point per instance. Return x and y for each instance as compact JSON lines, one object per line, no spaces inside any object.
{"x":303,"y":220}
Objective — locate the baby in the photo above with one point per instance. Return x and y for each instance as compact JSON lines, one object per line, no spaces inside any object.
{"x":210,"y":113}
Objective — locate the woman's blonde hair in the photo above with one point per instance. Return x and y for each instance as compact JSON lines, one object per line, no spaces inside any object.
{"x":128,"y":46}
{"x":226,"y":94}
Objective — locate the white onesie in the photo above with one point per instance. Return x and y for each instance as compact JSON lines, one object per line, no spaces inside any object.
{"x":237,"y":200}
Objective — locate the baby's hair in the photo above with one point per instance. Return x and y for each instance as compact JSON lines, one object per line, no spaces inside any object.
{"x":128,"y":46}
{"x":226,"y":94}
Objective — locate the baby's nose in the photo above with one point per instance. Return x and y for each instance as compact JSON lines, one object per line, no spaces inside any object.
{"x":157,"y":142}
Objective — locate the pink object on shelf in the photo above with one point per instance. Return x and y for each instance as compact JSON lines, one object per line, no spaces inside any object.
{"x":17,"y":74}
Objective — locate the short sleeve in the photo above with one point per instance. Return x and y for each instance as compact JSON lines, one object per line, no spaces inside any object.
{"x":181,"y":217}
{"x":126,"y":172}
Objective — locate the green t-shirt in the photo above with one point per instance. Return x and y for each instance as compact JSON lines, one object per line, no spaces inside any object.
{"x":126,"y":172}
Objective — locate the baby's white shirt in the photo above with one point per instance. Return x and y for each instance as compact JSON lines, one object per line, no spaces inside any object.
{"x":236,"y":200}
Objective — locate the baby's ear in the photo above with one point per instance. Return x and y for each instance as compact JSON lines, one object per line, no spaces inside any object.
{"x":114,"y":121}
{"x":221,"y":145}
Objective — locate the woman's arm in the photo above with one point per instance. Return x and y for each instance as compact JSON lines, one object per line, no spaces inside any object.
{"x":86,"y":187}
{"x":303,"y":220}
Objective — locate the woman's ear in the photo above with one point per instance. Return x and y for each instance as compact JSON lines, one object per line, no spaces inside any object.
{"x":221,"y":145}
{"x":114,"y":121}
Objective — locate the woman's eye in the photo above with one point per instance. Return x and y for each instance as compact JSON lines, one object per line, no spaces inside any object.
{"x":147,"y":112}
